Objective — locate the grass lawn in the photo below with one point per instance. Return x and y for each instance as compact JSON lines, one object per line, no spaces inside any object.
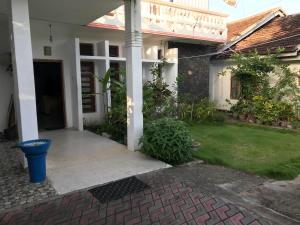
{"x":264,"y":151}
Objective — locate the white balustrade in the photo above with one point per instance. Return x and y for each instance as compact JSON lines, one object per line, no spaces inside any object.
{"x":172,"y":19}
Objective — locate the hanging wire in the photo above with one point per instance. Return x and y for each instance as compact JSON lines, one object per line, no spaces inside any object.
{"x":232,"y":50}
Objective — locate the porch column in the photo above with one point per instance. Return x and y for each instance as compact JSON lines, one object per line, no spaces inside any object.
{"x":133,"y":45}
{"x":24,"y":90}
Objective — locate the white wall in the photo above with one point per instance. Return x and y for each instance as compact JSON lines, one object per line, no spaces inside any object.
{"x":171,"y":70}
{"x":63,"y":37}
{"x":61,"y":50}
{"x":219,"y":85}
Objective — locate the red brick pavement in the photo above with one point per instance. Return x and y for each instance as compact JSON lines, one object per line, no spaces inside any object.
{"x":168,"y":204}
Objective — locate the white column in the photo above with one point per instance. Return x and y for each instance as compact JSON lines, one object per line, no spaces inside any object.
{"x":24,"y":90}
{"x":133,"y":45}
{"x":77,"y":94}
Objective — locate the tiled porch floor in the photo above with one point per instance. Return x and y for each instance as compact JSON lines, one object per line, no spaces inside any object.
{"x":81,"y":159}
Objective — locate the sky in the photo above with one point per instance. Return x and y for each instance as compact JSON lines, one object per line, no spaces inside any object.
{"x":249,"y":7}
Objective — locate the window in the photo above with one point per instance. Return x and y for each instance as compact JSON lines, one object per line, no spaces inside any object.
{"x":113,"y":51}
{"x":88,"y":87}
{"x":235,"y":88}
{"x":86,"y":49}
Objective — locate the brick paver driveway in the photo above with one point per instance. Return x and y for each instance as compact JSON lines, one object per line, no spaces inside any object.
{"x":162,"y":203}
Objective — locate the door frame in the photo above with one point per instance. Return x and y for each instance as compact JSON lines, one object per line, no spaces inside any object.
{"x":62,"y":84}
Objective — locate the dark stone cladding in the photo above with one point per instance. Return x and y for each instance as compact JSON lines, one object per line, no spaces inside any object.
{"x":195,"y":70}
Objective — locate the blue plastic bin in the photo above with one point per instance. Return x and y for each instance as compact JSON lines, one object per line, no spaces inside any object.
{"x":36,"y":152}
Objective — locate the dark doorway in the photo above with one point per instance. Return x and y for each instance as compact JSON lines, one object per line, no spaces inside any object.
{"x":49,"y":94}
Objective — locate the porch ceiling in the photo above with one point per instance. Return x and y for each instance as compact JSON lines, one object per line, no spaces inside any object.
{"x":67,"y":11}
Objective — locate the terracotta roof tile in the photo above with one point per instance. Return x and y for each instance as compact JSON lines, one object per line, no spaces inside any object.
{"x":236,"y":28}
{"x":281,"y":32}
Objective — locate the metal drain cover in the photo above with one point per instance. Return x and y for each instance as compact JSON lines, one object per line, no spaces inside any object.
{"x":118,"y":189}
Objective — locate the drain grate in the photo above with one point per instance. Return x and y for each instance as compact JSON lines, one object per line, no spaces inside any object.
{"x":118,"y":189}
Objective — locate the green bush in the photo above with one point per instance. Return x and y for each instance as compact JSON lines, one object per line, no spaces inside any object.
{"x":204,"y":110}
{"x":168,"y":140}
{"x":242,"y":107}
{"x":218,"y":117}
{"x":95,"y":128}
{"x":262,"y":98}
{"x":295,"y":124}
{"x":158,"y":100}
{"x":268,"y":111}
{"x":195,"y":110}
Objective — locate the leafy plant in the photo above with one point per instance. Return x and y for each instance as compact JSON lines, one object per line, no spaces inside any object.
{"x":195,"y":110}
{"x":158,"y":100}
{"x":268,"y":93}
{"x":168,"y":140}
{"x":253,"y":73}
{"x":116,"y":113}
{"x":218,"y":117}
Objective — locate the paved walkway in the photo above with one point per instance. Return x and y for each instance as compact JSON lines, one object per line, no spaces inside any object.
{"x":190,"y":194}
{"x":175,"y":203}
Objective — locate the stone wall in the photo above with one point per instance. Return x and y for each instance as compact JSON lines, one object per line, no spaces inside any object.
{"x":194,"y":71}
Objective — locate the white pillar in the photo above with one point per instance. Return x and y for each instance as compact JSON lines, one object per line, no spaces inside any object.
{"x":24,"y":90}
{"x":133,"y":44}
{"x":77,"y":95}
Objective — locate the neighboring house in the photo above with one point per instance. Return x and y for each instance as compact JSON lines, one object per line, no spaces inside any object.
{"x":263,"y":32}
{"x":56,"y":47}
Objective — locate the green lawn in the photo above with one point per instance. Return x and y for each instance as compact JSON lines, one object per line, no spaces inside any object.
{"x":264,"y":151}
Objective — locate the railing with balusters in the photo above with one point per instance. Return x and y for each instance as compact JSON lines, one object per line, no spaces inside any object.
{"x":171,"y":19}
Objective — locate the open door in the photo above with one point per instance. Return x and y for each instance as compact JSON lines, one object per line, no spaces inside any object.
{"x":49,"y":94}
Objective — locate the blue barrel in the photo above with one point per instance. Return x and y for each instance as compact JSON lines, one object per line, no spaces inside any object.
{"x":36,"y":152}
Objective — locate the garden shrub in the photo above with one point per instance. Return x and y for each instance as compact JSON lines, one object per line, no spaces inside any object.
{"x":269,"y":111}
{"x":204,"y":110}
{"x":95,"y":128}
{"x":296,"y":124}
{"x":195,"y":109}
{"x":158,"y":100}
{"x":218,"y":117}
{"x":168,"y":140}
{"x":268,"y":90}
